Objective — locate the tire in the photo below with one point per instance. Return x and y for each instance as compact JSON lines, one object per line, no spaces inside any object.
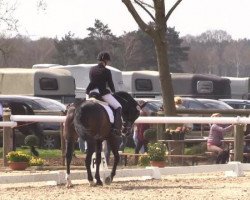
{"x":51,"y":141}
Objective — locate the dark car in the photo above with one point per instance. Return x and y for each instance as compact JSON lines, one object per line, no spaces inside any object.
{"x":26,"y":105}
{"x":150,"y":106}
{"x":215,"y":104}
{"x":192,"y":103}
{"x":237,"y":103}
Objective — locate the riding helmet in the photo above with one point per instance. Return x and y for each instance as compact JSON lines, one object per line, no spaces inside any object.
{"x":103,"y":56}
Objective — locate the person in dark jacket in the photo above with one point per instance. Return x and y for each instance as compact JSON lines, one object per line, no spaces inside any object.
{"x":101,"y":82}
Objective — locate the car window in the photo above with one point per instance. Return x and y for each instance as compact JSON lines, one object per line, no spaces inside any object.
{"x":216,"y":105}
{"x":51,"y":105}
{"x":192,"y":104}
{"x":195,"y":105}
{"x":153,"y":106}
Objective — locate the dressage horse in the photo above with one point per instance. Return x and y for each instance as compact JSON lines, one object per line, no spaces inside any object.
{"x":90,"y":121}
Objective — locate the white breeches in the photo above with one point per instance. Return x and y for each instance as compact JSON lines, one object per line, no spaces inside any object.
{"x":111,"y":101}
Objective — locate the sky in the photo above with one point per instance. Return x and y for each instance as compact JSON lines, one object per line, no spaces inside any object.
{"x":191,"y":17}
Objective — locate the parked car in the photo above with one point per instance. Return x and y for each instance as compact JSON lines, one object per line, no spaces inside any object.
{"x":214,"y":104}
{"x":25,"y":105}
{"x":150,"y":105}
{"x":192,"y":103}
{"x":237,"y":103}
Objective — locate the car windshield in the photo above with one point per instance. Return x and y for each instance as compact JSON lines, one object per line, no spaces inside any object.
{"x":52,"y":105}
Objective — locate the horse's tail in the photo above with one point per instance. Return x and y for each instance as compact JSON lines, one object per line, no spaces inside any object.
{"x":80,"y":129}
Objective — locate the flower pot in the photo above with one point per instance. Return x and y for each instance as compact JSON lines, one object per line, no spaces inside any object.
{"x":18,"y":165}
{"x":160,"y":164}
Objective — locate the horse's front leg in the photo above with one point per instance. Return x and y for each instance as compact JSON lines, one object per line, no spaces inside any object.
{"x":69,"y":153}
{"x":114,"y":148}
{"x":98,"y":162}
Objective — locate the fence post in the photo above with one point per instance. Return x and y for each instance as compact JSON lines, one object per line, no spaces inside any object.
{"x":238,"y":142}
{"x":7,"y":136}
{"x":160,"y":128}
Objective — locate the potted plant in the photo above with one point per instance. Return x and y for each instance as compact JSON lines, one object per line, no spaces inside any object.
{"x":157,"y":154}
{"x":18,"y":160}
{"x":177,"y":134}
{"x":36,"y":162}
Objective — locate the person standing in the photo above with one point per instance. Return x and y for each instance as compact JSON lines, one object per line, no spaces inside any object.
{"x":1,"y":112}
{"x":215,"y":137}
{"x":141,"y":141}
{"x":101,"y":77}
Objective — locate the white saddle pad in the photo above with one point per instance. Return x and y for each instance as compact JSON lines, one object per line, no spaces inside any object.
{"x":107,"y":108}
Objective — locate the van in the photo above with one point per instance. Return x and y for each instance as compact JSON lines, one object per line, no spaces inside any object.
{"x":81,"y":75}
{"x":147,"y":84}
{"x":56,"y":84}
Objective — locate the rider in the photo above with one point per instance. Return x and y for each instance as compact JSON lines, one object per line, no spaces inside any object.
{"x":100,"y":77}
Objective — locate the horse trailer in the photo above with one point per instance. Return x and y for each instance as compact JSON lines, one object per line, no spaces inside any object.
{"x":240,"y":87}
{"x":144,"y":84}
{"x":56,"y":84}
{"x":81,"y":75}
{"x":201,"y":86}
{"x":147,"y":84}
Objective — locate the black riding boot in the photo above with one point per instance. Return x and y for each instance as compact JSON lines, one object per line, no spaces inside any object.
{"x":117,"y":122}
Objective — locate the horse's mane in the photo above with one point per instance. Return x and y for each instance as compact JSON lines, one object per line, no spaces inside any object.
{"x":125,"y":98}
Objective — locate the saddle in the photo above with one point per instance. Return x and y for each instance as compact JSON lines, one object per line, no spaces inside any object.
{"x":96,"y":97}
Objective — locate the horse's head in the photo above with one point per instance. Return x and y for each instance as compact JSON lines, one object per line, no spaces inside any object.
{"x":130,"y":110}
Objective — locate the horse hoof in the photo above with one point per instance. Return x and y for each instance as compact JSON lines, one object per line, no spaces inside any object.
{"x":91,"y":183}
{"x":69,"y":185}
{"x":108,"y":180}
{"x":99,"y":183}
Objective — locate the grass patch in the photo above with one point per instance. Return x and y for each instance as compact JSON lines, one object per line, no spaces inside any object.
{"x":54,"y":153}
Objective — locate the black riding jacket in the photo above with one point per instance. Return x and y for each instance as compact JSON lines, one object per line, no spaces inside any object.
{"x":100,"y":77}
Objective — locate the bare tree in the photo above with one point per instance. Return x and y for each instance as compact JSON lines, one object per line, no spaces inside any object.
{"x":157,"y":31}
{"x":7,"y":20}
{"x":7,"y":23}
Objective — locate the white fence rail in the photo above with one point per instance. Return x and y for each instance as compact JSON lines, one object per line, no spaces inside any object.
{"x":151,"y":120}
{"x":236,"y":169}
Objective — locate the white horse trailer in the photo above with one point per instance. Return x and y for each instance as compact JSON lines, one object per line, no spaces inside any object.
{"x":81,"y":75}
{"x":52,"y":83}
{"x":144,"y":84}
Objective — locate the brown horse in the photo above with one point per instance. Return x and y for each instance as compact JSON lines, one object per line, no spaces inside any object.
{"x":90,"y":121}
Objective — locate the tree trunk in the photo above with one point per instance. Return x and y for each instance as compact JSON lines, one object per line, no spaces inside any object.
{"x":165,"y":77}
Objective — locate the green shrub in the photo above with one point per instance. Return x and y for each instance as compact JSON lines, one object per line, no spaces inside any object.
{"x":144,"y":161}
{"x":31,"y":140}
{"x":150,"y":134}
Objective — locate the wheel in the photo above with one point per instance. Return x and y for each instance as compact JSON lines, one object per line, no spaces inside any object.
{"x":49,"y":142}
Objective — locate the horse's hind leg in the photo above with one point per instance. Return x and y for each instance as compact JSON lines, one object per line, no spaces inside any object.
{"x":114,"y":148}
{"x":90,"y":151}
{"x":98,"y":162}
{"x":69,"y":153}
